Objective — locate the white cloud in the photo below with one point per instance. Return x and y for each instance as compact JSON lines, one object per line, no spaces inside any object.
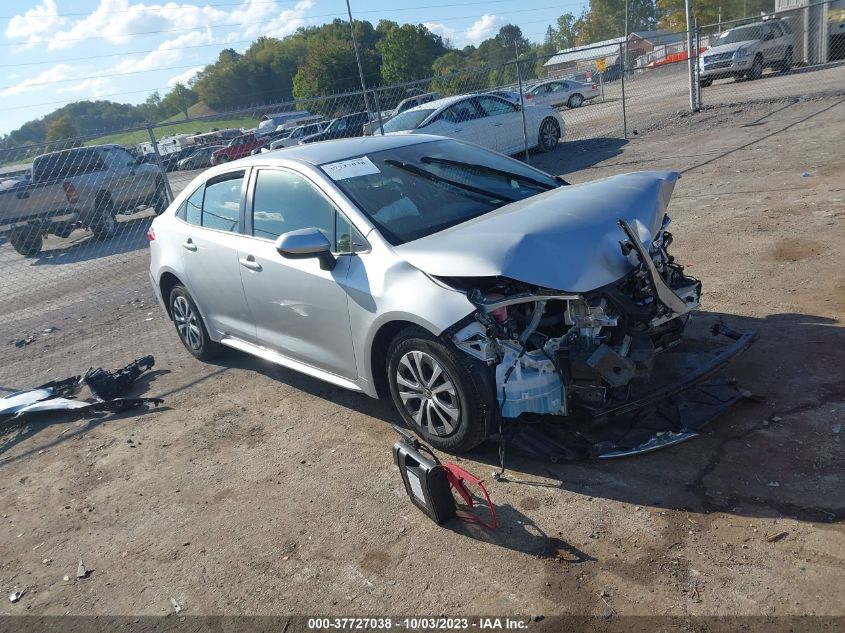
{"x":92,"y":87}
{"x":167,"y":53}
{"x":39,"y":81}
{"x":185,"y":77}
{"x":118,"y":21}
{"x":483,"y":28}
{"x":35,"y":24}
{"x":480,"y":30}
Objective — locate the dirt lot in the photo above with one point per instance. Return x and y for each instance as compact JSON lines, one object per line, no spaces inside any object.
{"x":259,"y":491}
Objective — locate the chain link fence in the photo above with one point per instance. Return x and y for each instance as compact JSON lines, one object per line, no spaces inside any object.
{"x":74,"y":213}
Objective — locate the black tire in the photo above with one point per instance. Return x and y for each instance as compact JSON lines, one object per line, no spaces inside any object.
{"x":27,"y":241}
{"x":575,"y":101}
{"x":104,"y":224}
{"x":161,"y":200}
{"x":549,"y":135}
{"x":756,"y":68}
{"x":786,"y":64}
{"x":189,"y":324}
{"x":456,"y":406}
{"x":706,"y":83}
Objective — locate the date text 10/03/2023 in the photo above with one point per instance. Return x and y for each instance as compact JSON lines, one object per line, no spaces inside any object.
{"x":417,"y":624}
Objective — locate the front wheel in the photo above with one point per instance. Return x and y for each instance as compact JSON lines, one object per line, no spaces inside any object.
{"x":756,"y":68}
{"x":575,"y":101}
{"x":189,"y":326}
{"x":447,"y":400}
{"x":549,"y":135}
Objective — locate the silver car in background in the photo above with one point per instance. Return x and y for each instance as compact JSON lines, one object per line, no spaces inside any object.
{"x":561,"y":92}
{"x":465,"y":284}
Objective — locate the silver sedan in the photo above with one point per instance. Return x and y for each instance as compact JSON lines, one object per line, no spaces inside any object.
{"x":450,"y":277}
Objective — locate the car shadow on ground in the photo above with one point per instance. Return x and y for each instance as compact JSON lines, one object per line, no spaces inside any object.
{"x":573,"y":156}
{"x":131,"y":236}
{"x":14,"y":432}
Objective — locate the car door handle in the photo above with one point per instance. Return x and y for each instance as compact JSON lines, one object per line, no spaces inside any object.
{"x":189,"y":245}
{"x":249,"y":262}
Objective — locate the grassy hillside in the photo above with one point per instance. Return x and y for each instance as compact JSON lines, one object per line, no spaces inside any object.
{"x":186,"y":127}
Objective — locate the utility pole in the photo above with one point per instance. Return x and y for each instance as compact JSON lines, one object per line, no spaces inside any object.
{"x":360,"y":68}
{"x":626,"y":20}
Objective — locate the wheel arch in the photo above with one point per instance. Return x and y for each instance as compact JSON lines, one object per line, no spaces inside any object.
{"x":166,"y":283}
{"x":379,"y":348}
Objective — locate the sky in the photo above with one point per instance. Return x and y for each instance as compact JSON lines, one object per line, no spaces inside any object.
{"x":54,"y":52}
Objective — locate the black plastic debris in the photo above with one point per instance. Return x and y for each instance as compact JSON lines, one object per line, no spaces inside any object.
{"x":57,"y":396}
{"x":108,"y":385}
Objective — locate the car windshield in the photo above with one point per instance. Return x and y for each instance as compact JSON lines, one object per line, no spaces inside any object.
{"x":408,"y":120}
{"x":742,"y":34}
{"x":413,"y":191}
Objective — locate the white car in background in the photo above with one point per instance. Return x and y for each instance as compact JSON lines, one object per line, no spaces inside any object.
{"x":486,"y":120}
{"x":296,"y":135}
{"x":560,"y":92}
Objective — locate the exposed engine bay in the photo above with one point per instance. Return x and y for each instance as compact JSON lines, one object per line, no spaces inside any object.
{"x":559,"y":353}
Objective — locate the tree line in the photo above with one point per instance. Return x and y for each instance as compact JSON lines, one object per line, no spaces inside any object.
{"x":318,"y":61}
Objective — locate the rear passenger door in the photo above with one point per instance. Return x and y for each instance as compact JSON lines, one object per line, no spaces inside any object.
{"x":300,"y":310}
{"x":210,"y":240}
{"x":506,"y":122}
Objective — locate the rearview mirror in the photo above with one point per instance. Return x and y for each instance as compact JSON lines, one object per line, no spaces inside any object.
{"x":305,"y":244}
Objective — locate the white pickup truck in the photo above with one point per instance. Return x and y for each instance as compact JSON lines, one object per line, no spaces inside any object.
{"x":79,"y":187}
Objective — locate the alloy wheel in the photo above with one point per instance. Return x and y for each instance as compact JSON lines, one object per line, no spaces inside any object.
{"x":187,"y":323}
{"x":548,"y":135}
{"x":428,"y":393}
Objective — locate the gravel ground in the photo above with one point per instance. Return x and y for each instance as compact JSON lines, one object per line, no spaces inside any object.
{"x":255,"y":490}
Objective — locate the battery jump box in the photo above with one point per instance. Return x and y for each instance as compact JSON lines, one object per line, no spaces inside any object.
{"x":429,"y":483}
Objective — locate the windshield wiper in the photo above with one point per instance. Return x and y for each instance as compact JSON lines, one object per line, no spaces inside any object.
{"x":424,"y":173}
{"x":487,"y":170}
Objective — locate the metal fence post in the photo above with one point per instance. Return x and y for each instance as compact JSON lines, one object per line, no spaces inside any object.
{"x":378,"y":112}
{"x":622,"y":80}
{"x":690,"y":68}
{"x":522,"y":105}
{"x":158,"y":162}
{"x":698,"y":89}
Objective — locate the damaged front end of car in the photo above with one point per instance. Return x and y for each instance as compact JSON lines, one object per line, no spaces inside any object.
{"x":591,"y":357}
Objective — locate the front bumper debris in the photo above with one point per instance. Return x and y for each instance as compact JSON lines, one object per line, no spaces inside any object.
{"x":693,"y":391}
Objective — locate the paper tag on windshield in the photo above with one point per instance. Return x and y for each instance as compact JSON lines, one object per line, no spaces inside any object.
{"x":351,"y":168}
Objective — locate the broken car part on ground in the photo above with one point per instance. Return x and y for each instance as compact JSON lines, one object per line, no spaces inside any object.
{"x":108,"y":388}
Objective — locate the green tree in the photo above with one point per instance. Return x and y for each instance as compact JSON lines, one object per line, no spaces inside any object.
{"x":61,"y":128}
{"x":565,"y":31}
{"x":408,"y":52}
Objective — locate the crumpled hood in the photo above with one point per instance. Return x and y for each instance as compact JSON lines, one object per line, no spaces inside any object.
{"x":566,"y":239}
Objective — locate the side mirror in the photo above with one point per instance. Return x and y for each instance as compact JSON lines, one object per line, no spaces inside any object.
{"x":305,"y":244}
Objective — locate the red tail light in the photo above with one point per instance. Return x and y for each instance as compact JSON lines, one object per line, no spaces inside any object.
{"x":595,"y":87}
{"x":151,"y":235}
{"x":70,"y":192}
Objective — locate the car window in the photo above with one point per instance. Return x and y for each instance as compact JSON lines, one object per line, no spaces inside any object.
{"x":495,"y":107}
{"x":191,"y":209}
{"x":119,"y":157}
{"x":221,"y":204}
{"x":461,"y":112}
{"x":408,"y":120}
{"x":776,"y":29}
{"x":284,"y":201}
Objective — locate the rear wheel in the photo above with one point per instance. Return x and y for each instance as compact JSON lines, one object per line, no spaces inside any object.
{"x":549,"y":135}
{"x":104,"y":225}
{"x":161,"y":200}
{"x":575,"y":101}
{"x":446,"y":399}
{"x":189,"y":325}
{"x":27,"y":241}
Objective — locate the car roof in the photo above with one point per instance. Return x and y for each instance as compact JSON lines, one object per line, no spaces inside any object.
{"x":339,"y":149}
{"x":440,"y":104}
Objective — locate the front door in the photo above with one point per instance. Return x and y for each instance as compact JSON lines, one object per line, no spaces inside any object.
{"x":506,"y":121}
{"x":299,"y":309}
